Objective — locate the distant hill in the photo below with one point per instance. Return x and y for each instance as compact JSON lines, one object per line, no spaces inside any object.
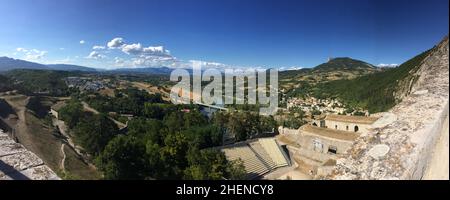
{"x":294,"y":81}
{"x":7,"y":64}
{"x":146,"y":70}
{"x":380,"y":91}
{"x":344,"y":64}
{"x":65,"y":67}
{"x":33,"y":82}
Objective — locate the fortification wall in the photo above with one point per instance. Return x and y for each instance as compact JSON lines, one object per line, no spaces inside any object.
{"x":403,"y":147}
{"x":17,"y":163}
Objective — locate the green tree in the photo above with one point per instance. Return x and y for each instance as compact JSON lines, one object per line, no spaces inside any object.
{"x":210,"y":164}
{"x":173,"y":154}
{"x":123,"y":158}
{"x":146,"y":130}
{"x":94,"y":132}
{"x":71,"y":113}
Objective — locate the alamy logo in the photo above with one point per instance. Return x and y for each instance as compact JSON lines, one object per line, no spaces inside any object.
{"x":227,"y":87}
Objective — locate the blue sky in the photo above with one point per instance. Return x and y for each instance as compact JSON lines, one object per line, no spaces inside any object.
{"x":259,"y":33}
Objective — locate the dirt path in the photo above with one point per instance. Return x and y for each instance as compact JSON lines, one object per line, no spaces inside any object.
{"x":63,"y":160}
{"x":90,"y":109}
{"x":63,"y":130}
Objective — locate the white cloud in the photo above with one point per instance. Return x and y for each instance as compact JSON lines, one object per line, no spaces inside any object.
{"x":82,"y":41}
{"x":158,"y":51}
{"x":20,"y":49}
{"x":134,"y":49}
{"x":32,"y":54}
{"x":289,"y":68}
{"x":137,"y":55}
{"x":138,"y":50}
{"x":97,"y":47}
{"x":62,"y":49}
{"x":116,"y":43}
{"x":387,"y":65}
{"x":119,"y":61}
{"x":95,"y":55}
{"x":141,"y":56}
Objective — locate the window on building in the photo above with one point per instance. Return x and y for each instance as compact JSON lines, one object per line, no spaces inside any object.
{"x":356,"y":128}
{"x":332,"y":150}
{"x":346,"y":128}
{"x":322,"y":123}
{"x":335,"y":126}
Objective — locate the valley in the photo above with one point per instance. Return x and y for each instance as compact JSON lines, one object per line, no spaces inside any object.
{"x":82,"y":122}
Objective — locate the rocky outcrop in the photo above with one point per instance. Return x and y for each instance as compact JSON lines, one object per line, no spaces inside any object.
{"x":402,"y":142}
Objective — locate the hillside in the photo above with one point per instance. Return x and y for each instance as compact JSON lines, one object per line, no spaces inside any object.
{"x":5,"y":109}
{"x":64,"y":67}
{"x":4,"y":83}
{"x":293,"y":81}
{"x":343,"y":64}
{"x":375,"y":92}
{"x":7,"y":64}
{"x":145,"y":70}
{"x":40,"y":81}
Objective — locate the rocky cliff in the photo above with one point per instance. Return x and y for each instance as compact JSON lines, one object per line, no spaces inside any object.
{"x":401,"y":145}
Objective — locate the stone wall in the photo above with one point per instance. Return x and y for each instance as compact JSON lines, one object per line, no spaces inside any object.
{"x":17,"y":163}
{"x":307,"y":141}
{"x":362,"y":128}
{"x":283,"y":130}
{"x":409,"y":137}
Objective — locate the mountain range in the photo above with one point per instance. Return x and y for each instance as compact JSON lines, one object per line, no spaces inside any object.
{"x":7,"y":64}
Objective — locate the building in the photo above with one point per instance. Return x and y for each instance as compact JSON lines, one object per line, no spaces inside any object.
{"x":314,"y":148}
{"x":359,"y":124}
{"x":324,"y":140}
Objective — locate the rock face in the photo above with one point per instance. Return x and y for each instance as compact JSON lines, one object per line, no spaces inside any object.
{"x":410,"y":129}
{"x":17,"y":163}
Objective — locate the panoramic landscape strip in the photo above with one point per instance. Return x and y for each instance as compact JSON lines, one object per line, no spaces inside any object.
{"x":224,"y":91}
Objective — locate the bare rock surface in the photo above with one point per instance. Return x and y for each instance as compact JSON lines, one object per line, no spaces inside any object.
{"x":410,"y":130}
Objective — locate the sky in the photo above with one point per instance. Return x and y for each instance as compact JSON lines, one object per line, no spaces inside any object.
{"x":236,"y":33}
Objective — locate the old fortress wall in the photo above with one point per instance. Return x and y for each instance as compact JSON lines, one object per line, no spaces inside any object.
{"x":403,"y":142}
